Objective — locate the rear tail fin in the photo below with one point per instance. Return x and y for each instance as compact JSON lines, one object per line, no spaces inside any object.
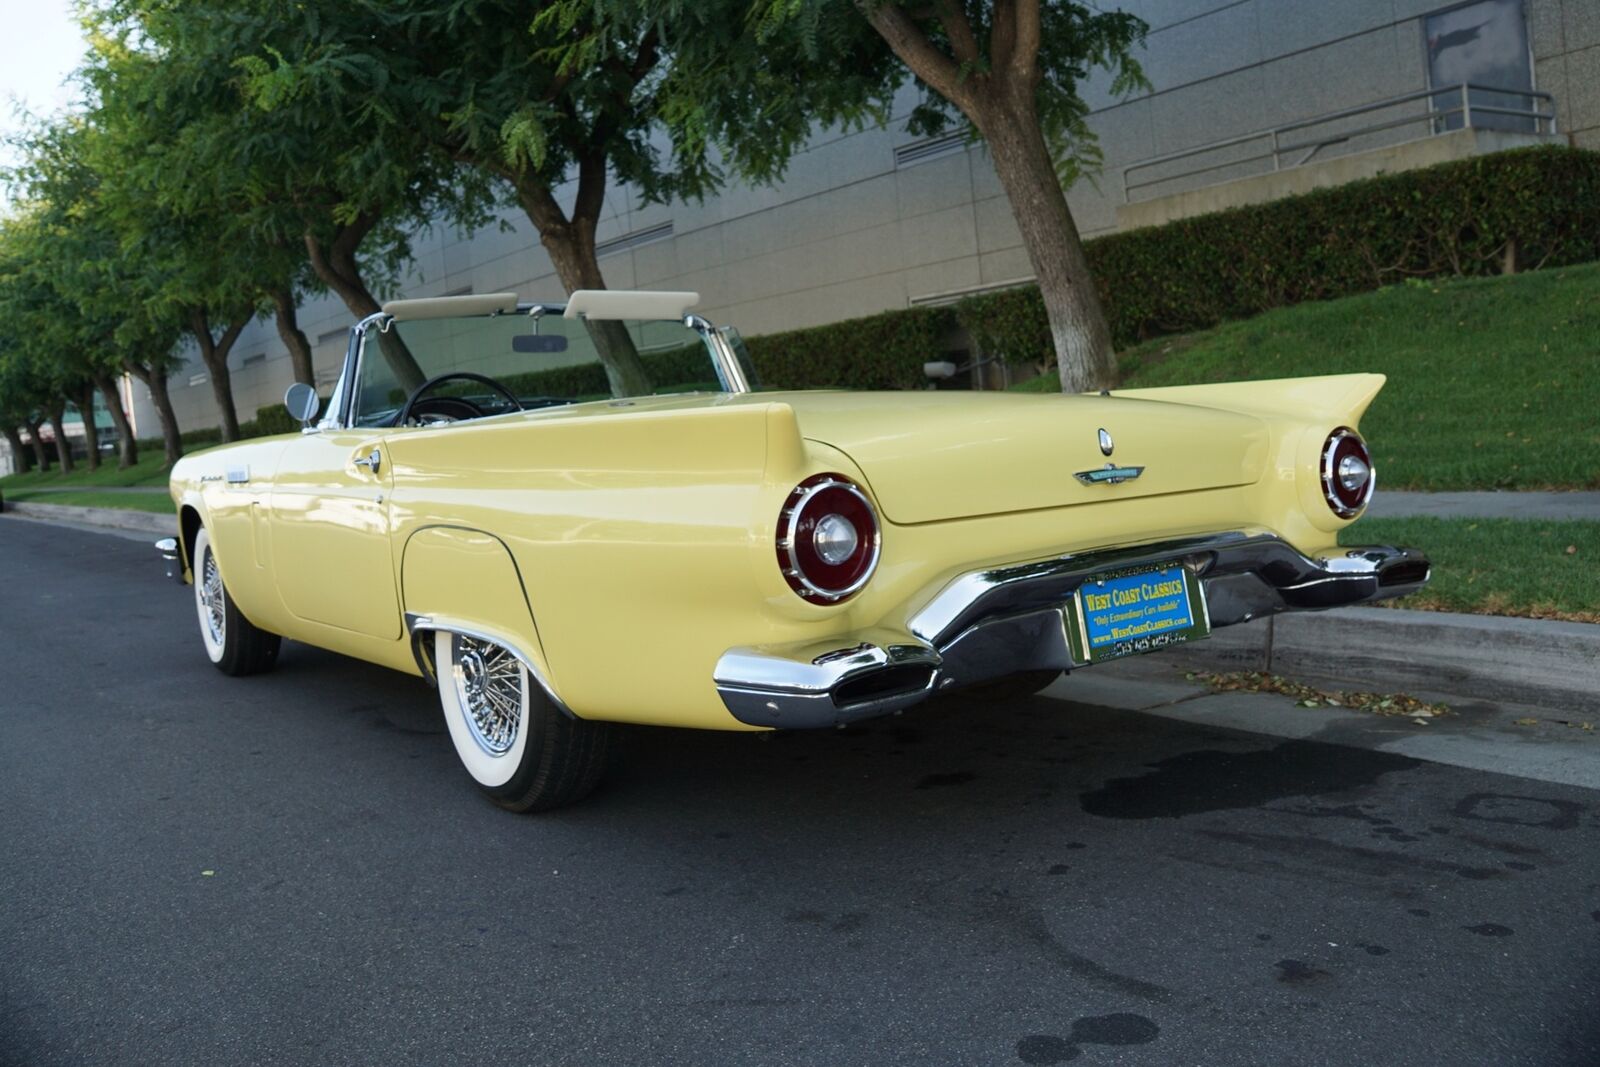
{"x":1333,"y":398}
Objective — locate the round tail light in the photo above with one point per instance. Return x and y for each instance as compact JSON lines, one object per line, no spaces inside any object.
{"x":1347,"y":475}
{"x":827,"y":539}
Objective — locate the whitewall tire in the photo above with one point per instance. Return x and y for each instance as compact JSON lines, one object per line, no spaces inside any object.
{"x":232,"y":642}
{"x":523,"y":752}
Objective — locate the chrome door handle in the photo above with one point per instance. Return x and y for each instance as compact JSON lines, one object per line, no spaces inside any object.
{"x":371,"y":461}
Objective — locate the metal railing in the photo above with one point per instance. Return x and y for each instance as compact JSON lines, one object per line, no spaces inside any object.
{"x":1282,"y":153}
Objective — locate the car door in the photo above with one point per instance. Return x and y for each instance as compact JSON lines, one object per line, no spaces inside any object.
{"x":332,"y":558}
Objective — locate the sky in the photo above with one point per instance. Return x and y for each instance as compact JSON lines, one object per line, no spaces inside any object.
{"x":38,"y":49}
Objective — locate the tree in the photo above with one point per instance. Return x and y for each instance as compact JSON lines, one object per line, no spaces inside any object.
{"x":1011,"y":69}
{"x":560,"y":98}
{"x":93,"y":302}
{"x":310,"y":164}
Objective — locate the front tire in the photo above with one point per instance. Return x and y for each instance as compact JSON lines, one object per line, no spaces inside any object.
{"x":234,"y":644}
{"x":523,"y":752}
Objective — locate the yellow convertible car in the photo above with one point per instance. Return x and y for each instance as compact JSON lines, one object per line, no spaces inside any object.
{"x":568,"y":516}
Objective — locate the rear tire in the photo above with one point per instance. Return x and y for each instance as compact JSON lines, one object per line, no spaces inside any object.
{"x":234,"y":644}
{"x":523,"y":752}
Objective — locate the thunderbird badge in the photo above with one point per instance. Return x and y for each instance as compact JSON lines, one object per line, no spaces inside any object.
{"x":1110,"y":474}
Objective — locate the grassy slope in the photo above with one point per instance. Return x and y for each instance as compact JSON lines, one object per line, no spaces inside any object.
{"x":1493,"y":383}
{"x":1499,"y":566}
{"x":150,"y":470}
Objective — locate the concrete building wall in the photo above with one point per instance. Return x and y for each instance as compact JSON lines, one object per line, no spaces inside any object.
{"x":852,"y":232}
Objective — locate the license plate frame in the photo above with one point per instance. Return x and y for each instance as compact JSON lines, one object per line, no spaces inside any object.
{"x":1137,"y":598}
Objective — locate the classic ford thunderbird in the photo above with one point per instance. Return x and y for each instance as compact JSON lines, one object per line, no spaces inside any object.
{"x":569,"y":516}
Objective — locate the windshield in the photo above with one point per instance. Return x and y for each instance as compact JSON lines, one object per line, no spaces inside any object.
{"x":496,"y":364}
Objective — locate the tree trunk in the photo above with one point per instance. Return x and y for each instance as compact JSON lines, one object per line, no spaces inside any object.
{"x":214,"y":353}
{"x":998,"y":93}
{"x":1084,"y":353}
{"x":156,"y":381}
{"x":36,"y":436}
{"x":127,"y":449}
{"x":570,"y":245}
{"x":58,"y":411}
{"x":91,"y":432}
{"x":20,"y":461}
{"x":337,"y":266}
{"x":293,"y":337}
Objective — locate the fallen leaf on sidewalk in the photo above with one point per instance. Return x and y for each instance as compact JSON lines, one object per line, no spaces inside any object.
{"x":1305,"y":696}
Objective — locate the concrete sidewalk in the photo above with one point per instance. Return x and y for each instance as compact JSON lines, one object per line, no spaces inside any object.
{"x":162,"y":524}
{"x":1402,"y":504}
{"x":1542,"y":743}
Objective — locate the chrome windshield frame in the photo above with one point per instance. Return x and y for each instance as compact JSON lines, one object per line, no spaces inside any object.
{"x":730,"y":373}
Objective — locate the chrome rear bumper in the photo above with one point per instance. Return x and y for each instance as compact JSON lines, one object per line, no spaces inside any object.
{"x":991,"y":623}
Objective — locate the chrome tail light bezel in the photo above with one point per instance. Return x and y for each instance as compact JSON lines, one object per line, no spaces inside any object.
{"x":812,"y":494}
{"x":1341,"y":443}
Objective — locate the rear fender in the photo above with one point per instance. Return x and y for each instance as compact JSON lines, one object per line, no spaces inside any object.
{"x":1302,"y":412}
{"x":1332,"y":399}
{"x":460,"y":580}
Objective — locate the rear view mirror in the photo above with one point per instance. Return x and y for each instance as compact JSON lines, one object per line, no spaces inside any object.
{"x":302,"y":402}
{"x":532,"y":342}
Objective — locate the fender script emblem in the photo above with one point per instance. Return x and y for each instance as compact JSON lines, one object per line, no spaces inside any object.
{"x":1110,"y":474}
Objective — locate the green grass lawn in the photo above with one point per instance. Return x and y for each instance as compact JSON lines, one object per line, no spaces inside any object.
{"x":90,"y":498}
{"x":1494,"y":383}
{"x":1536,"y":569}
{"x":150,"y":470}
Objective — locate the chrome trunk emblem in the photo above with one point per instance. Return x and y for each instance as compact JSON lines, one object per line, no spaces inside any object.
{"x":1105,"y":443}
{"x":1110,"y":474}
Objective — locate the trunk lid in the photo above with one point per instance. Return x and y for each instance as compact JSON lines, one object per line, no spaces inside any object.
{"x":932,"y":456}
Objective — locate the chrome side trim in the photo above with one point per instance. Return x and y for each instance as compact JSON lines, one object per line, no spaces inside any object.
{"x":1002,"y":620}
{"x":419,"y":625}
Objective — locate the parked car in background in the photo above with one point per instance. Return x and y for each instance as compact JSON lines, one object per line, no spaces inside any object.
{"x":566,"y":516}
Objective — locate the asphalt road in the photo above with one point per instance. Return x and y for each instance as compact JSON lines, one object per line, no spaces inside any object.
{"x":292,"y":869}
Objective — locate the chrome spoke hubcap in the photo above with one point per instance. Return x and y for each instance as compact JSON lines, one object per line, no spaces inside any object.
{"x":488,"y":683}
{"x":211,"y":598}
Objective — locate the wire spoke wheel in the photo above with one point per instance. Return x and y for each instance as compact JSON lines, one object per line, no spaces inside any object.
{"x":213,"y":615}
{"x":490,"y":688}
{"x":521,"y":748}
{"x":233,"y":643}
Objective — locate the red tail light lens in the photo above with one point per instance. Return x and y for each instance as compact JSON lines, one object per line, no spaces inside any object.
{"x":1347,"y":475}
{"x":827,"y":539}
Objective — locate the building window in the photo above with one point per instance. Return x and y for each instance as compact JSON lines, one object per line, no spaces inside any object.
{"x":1483,"y":44}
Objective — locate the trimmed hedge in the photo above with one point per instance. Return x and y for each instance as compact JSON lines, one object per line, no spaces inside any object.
{"x":1527,"y":208}
{"x":1453,"y":219}
{"x":884,"y":351}
{"x":272,"y":419}
{"x":681,"y":365}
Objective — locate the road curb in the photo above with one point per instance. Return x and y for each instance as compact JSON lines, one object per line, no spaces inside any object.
{"x":1523,"y":661}
{"x":114,"y":518}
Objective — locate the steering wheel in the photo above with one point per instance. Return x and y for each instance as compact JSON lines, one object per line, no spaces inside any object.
{"x":461,"y":404}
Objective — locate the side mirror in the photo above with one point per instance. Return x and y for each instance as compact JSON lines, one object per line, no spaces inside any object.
{"x":302,"y":402}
